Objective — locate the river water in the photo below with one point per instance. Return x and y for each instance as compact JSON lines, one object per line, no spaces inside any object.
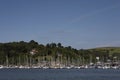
{"x":59,"y":74}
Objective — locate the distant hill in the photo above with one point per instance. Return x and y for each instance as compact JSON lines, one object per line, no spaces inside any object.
{"x":109,"y":49}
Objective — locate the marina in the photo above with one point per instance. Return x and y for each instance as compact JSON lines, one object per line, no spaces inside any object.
{"x":98,"y":65}
{"x":59,"y":40}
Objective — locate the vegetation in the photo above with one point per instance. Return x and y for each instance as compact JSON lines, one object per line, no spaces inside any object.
{"x":30,"y":53}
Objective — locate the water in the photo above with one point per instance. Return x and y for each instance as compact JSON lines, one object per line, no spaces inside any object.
{"x":59,"y":74}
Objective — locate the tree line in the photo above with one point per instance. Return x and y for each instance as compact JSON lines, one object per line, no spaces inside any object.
{"x":30,"y":53}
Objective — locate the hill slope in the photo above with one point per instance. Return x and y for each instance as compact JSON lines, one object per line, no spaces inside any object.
{"x":111,"y":50}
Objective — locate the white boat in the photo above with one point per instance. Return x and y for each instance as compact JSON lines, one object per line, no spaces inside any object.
{"x":1,"y":66}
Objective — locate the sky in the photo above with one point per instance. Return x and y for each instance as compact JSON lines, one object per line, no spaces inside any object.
{"x":81,"y":24}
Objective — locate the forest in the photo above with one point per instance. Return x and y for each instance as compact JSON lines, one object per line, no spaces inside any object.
{"x":32,"y":53}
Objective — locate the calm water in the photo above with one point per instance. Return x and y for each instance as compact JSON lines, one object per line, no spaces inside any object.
{"x":59,"y":74}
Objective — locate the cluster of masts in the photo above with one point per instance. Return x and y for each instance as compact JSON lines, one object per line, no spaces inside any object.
{"x":42,"y":64}
{"x":98,"y":65}
{"x":62,"y":67}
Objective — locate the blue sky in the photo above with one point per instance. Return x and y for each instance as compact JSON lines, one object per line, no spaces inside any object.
{"x":76,"y":23}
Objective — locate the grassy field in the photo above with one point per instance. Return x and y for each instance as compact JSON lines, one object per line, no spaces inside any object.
{"x":111,"y":50}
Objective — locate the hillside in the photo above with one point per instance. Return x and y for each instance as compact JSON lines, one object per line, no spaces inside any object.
{"x":28,"y":53}
{"x":110,"y":50}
